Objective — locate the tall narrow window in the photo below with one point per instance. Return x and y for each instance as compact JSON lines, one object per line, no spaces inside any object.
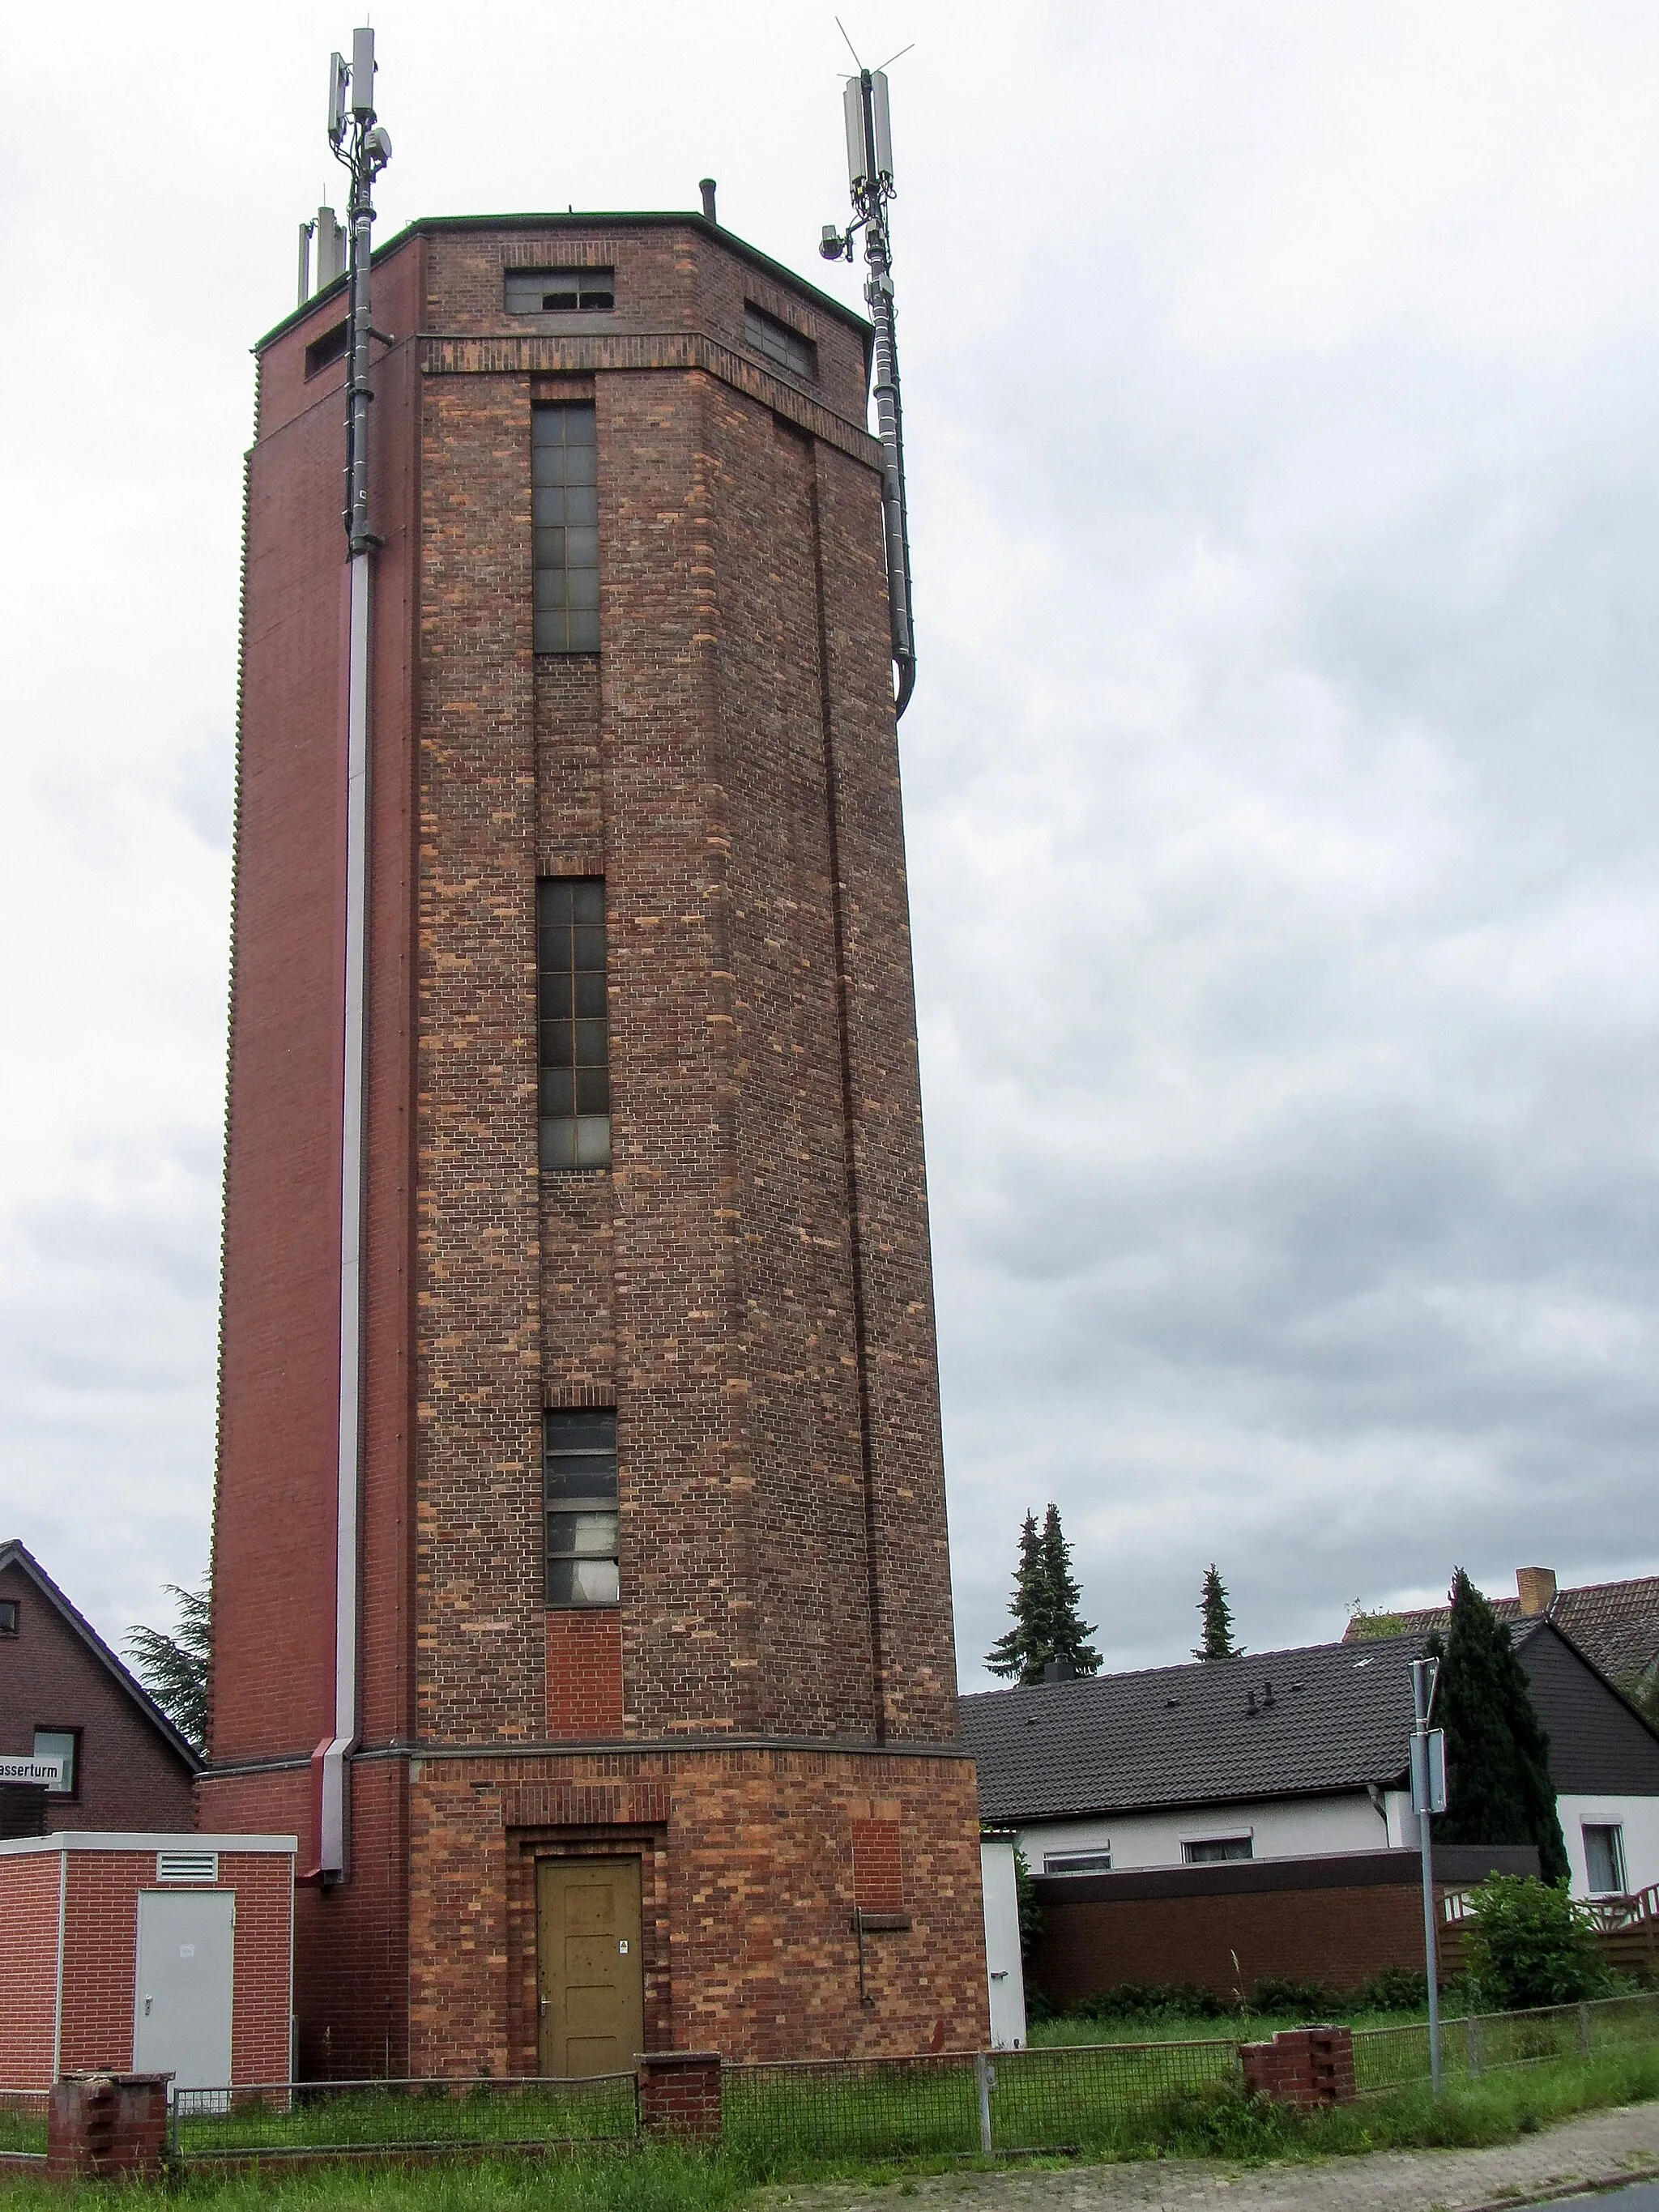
{"x":564,"y":472}
{"x":1604,"y":1861}
{"x":578,"y":1491}
{"x":575,"y":1040}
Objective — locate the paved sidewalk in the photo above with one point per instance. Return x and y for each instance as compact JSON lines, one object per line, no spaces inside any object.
{"x":1601,"y":2147}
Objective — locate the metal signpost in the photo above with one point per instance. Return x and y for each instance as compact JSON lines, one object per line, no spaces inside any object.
{"x":1428,"y":1766}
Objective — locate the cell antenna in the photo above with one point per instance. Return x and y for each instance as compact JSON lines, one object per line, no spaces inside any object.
{"x":870,"y":180}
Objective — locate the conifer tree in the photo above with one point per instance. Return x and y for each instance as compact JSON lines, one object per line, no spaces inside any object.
{"x":174,"y":1668}
{"x":1497,"y":1766}
{"x":1045,"y":1606}
{"x":1218,"y":1641}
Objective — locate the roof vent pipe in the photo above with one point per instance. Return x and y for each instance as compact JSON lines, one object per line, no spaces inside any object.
{"x":706,"y":186}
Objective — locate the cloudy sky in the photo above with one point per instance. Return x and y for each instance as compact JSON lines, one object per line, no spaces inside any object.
{"x":1282,"y":385}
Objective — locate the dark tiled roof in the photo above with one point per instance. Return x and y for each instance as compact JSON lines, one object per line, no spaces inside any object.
{"x":1185,"y":1736}
{"x":1614,"y":1625}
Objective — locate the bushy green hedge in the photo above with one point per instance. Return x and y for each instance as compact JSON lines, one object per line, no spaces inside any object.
{"x":1530,"y":1944}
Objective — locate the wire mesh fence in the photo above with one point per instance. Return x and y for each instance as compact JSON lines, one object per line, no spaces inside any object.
{"x":314,"y":2117}
{"x":1488,"y":2042}
{"x":23,"y":2121}
{"x":812,"y":2112}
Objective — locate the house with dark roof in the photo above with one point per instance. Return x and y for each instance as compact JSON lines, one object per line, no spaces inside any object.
{"x":1614,"y":1625}
{"x":1294,"y":1754}
{"x":70,"y":1708}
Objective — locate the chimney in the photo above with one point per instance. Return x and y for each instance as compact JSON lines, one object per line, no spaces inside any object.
{"x":1536,"y":1588}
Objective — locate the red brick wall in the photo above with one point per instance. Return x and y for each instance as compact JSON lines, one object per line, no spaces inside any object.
{"x":1337,"y":1936}
{"x":28,"y":1967}
{"x":879,"y":1862}
{"x":584,"y":1676}
{"x":748,"y":1889}
{"x":131,"y":1776}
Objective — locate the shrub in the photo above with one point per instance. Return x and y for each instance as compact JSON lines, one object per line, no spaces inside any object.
{"x":1151,"y":2001}
{"x":1276,"y":1993}
{"x":1396,"y":1988}
{"x":1530,"y":1944}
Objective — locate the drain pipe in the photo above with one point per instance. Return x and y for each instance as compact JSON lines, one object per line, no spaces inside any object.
{"x":364,"y":149}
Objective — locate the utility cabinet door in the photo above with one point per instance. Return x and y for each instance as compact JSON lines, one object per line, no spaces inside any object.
{"x":186,"y":1967}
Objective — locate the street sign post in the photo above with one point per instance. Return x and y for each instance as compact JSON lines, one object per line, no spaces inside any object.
{"x":1428,"y":1771}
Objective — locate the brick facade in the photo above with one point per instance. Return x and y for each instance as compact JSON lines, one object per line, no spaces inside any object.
{"x":56,"y":1674}
{"x":748,"y":1284}
{"x":99,"y":1890}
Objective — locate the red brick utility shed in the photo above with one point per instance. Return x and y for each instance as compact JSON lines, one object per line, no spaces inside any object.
{"x":160,"y":1953}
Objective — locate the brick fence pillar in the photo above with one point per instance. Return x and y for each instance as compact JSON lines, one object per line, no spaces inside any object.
{"x":680,"y":2094}
{"x":1311,"y":2067}
{"x":100,"y":2124}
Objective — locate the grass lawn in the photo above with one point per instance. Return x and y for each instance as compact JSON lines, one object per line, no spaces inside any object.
{"x":1192,"y":2028}
{"x":1204,"y":2122}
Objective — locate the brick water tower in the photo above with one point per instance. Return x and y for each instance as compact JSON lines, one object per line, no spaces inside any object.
{"x":580,"y":1581}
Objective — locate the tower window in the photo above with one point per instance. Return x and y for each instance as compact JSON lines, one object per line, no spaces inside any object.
{"x":778,"y":342}
{"x":565,"y":477}
{"x":574,"y":1036}
{"x":579,"y":1493}
{"x":559,"y":291}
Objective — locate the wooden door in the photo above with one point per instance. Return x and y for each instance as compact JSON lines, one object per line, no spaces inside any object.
{"x":588,"y":1966}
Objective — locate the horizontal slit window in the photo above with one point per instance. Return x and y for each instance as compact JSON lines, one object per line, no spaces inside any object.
{"x":559,"y":291}
{"x":323,"y":351}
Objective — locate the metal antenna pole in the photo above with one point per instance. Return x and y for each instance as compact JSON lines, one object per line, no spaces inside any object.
{"x":1424,"y":1672}
{"x":364,"y":149}
{"x":889,"y":421}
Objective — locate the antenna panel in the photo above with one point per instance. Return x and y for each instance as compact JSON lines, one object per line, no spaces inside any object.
{"x":337,"y":97}
{"x":363,"y":72}
{"x":883,"y":148}
{"x":858,"y":165}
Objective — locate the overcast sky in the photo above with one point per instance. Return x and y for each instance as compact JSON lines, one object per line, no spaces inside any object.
{"x":1282,"y":389}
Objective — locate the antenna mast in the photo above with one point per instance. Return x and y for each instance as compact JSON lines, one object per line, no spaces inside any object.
{"x":363,"y":147}
{"x":870,"y":177}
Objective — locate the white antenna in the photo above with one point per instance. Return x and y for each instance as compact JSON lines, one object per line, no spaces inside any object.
{"x":870,"y":179}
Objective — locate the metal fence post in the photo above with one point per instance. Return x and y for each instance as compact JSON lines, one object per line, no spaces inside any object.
{"x":984,"y":2081}
{"x":1471,"y":2038}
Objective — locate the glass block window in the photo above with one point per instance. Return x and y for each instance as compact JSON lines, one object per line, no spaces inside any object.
{"x":575,"y":1040}
{"x":567,"y":528}
{"x":578,"y":1492}
{"x":559,"y":291}
{"x":1604,"y":1861}
{"x":778,"y":342}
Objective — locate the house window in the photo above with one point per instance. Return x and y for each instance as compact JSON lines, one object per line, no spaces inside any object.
{"x":64,"y":1745}
{"x":1604,"y":1861}
{"x":559,"y":291}
{"x":778,"y":342}
{"x":8,"y":1615}
{"x":1077,"y":1863}
{"x":1209,"y":1850}
{"x":574,"y":1043}
{"x":578,"y":1491}
{"x":564,"y":472}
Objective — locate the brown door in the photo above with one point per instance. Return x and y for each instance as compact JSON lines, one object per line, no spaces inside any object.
{"x":587,"y":1966}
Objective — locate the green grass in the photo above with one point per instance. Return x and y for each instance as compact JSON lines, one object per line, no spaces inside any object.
{"x":317,"y":2118}
{"x":1201,"y":2119}
{"x":1183,"y":2027}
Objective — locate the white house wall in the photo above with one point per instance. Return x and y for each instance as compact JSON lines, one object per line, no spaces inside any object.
{"x":1294,"y":1827}
{"x":1640,"y":1818}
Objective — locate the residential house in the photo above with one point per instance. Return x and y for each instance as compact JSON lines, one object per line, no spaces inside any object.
{"x":65,"y":1699}
{"x":1614,"y":1625}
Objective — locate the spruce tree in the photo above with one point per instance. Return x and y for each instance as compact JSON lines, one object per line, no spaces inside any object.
{"x":1497,"y":1766}
{"x":1048,"y":1623}
{"x":1218,"y":1641}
